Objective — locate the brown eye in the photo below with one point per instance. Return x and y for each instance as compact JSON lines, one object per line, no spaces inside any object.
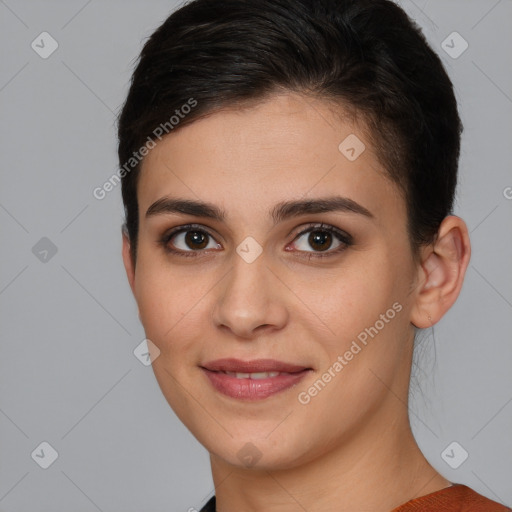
{"x":321,"y":238}
{"x":188,"y":240}
{"x":196,"y":239}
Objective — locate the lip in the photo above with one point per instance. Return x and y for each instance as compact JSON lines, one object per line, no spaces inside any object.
{"x":256,"y":365}
{"x":252,"y":389}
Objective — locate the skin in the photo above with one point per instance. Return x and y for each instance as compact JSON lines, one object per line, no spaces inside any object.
{"x":351,"y":447}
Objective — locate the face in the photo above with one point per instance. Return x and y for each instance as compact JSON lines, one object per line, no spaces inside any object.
{"x":300,"y":257}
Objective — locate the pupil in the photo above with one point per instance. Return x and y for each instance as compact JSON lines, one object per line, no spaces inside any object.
{"x":196,"y":238}
{"x":319,"y":239}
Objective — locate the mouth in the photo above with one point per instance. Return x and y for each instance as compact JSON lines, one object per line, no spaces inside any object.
{"x":253,"y":380}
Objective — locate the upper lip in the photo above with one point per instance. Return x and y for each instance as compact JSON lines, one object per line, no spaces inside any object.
{"x":253,"y":366}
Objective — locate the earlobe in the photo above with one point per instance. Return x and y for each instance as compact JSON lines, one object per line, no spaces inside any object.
{"x":441,"y":272}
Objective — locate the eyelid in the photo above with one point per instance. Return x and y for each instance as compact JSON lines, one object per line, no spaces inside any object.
{"x":187,"y":227}
{"x":322,"y":226}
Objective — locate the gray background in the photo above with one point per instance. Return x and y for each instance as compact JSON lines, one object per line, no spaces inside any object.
{"x":69,"y":325}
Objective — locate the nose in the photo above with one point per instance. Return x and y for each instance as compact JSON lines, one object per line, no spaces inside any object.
{"x":250,"y":300}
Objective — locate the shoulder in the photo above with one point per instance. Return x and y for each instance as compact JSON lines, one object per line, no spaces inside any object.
{"x":210,"y":506}
{"x":457,"y":498}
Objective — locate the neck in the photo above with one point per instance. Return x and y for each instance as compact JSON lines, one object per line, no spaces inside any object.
{"x":376,"y":469}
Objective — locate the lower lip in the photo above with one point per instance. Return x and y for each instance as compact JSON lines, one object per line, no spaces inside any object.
{"x":252,"y":389}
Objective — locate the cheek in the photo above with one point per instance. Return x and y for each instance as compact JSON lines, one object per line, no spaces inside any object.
{"x":353,"y":298}
{"x":160,"y":299}
{"x":171,"y":307}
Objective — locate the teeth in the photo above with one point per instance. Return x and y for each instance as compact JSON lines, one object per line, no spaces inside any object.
{"x":257,"y":375}
{"x":264,"y":375}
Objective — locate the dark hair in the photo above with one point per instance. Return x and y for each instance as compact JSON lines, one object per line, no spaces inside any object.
{"x":366,"y":55}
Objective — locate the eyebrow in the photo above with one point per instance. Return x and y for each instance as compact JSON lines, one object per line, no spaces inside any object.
{"x":280,"y":212}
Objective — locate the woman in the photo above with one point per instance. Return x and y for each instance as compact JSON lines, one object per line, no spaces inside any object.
{"x":288,"y":171}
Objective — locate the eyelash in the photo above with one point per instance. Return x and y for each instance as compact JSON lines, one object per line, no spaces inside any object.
{"x":344,"y":238}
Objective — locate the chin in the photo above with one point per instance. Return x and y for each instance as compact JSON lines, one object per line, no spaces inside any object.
{"x":259,"y":453}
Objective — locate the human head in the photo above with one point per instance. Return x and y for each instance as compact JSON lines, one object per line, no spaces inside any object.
{"x":365,"y":54}
{"x":255,"y":113}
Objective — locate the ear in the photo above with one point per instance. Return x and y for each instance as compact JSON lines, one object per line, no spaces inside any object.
{"x":129,"y":264}
{"x":441,"y":272}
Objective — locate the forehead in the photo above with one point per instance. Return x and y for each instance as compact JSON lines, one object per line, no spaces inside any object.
{"x":249,"y":159}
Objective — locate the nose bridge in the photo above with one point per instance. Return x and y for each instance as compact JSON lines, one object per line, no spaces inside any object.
{"x":249,"y":298}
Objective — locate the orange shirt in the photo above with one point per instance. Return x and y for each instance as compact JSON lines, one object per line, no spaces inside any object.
{"x":457,"y":498}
